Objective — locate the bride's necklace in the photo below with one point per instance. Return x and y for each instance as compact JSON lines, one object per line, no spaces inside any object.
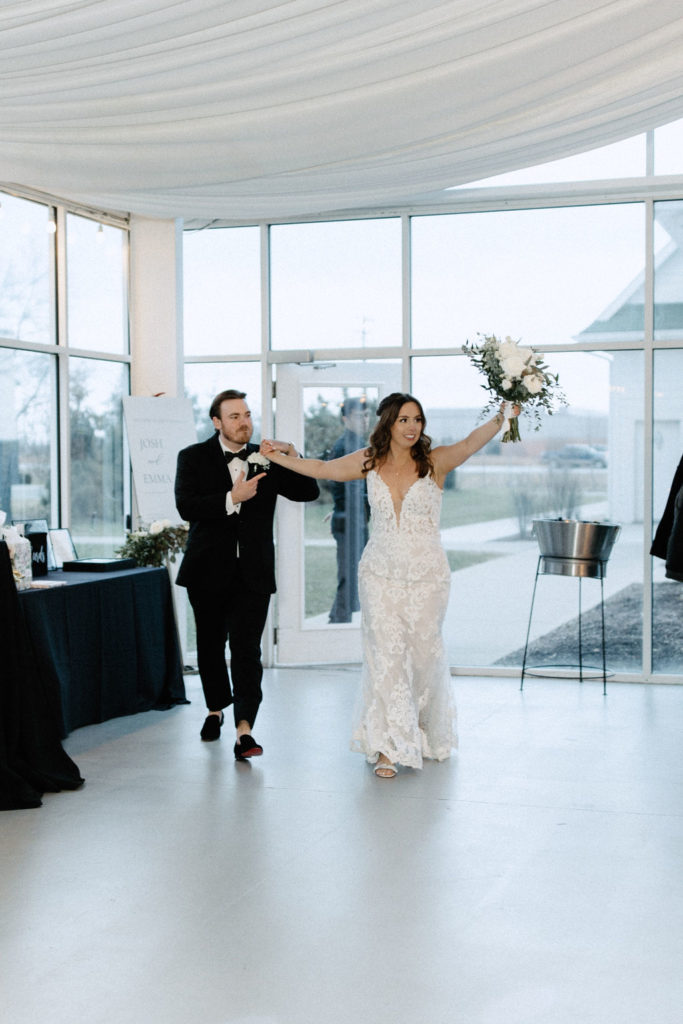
{"x":401,"y":481}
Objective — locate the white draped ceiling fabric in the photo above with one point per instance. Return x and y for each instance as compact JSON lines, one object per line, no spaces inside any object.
{"x":244,"y":109}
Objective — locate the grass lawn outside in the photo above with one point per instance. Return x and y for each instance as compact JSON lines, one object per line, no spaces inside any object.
{"x":477,"y":501}
{"x":321,"y":579}
{"x":321,"y":574}
{"x":459,"y":508}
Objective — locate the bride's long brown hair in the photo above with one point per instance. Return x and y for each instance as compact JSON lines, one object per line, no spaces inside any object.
{"x":380,"y":440}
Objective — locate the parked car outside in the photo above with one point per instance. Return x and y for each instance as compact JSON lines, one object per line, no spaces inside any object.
{"x":576,"y":455}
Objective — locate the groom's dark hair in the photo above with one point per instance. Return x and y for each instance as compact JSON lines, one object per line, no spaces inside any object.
{"x":225,"y":396}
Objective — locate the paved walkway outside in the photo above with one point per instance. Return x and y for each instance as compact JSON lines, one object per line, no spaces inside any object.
{"x":490,"y":602}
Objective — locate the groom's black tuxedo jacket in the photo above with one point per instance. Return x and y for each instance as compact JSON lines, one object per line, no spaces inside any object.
{"x":202,"y":480}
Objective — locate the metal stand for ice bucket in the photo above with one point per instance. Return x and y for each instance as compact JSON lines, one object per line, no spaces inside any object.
{"x":579,"y":550}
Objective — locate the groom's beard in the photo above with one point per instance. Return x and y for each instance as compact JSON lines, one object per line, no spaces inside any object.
{"x":239,"y":435}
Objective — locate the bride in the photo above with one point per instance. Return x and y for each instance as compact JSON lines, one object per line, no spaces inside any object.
{"x":406,"y":711}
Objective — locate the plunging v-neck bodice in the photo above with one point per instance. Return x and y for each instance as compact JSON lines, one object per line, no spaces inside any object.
{"x":399,"y":506}
{"x":405,"y":542}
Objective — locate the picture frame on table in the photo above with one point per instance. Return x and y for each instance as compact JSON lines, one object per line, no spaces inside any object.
{"x":63,"y":547}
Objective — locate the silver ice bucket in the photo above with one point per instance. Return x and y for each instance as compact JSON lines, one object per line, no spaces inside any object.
{"x":571,"y":547}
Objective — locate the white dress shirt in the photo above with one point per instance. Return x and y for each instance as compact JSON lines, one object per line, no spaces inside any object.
{"x":236,"y":466}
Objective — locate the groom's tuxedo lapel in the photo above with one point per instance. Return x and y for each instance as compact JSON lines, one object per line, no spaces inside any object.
{"x":218,"y":462}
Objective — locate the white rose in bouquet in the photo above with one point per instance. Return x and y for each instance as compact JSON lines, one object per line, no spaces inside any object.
{"x":159,"y":525}
{"x":513,"y":366}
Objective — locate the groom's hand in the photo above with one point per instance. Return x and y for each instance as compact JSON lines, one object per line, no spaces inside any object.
{"x":242,"y":489}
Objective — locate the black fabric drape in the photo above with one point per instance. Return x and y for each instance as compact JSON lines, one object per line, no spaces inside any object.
{"x":674,"y":547}
{"x":32,"y":760}
{"x":663,"y":531}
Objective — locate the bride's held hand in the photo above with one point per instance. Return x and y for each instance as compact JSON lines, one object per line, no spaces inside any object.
{"x":269,"y":447}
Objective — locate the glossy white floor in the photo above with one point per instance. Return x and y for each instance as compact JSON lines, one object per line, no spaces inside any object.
{"x":535,"y":877}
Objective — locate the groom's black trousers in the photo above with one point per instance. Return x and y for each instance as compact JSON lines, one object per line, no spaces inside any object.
{"x":236,"y":615}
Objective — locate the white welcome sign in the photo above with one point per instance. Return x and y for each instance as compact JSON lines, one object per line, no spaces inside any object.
{"x":157,"y":429}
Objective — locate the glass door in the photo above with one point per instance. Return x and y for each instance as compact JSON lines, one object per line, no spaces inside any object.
{"x":325,"y":410}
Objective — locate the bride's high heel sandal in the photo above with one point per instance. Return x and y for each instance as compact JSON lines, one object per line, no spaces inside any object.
{"x":385,"y":770}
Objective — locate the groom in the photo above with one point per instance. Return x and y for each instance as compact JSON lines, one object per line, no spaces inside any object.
{"x":227,"y":493}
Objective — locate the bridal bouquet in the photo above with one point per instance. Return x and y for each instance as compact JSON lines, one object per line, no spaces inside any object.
{"x":517,"y":375}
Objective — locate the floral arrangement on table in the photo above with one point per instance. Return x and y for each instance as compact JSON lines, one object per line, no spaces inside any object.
{"x":155,"y":545}
{"x":515,"y":374}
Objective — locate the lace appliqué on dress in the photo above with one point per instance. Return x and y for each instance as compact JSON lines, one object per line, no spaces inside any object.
{"x":406,"y":709}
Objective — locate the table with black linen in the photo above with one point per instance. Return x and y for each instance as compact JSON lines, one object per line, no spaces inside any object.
{"x":100,"y":646}
{"x":106,"y":643}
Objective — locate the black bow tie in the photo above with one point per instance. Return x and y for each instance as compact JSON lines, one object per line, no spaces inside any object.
{"x":241,"y":454}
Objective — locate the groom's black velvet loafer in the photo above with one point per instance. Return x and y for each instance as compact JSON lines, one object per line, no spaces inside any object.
{"x":211,"y":730}
{"x":247,"y":746}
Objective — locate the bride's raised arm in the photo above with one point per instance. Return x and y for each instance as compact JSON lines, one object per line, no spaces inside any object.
{"x":447,"y":456}
{"x":348,"y":467}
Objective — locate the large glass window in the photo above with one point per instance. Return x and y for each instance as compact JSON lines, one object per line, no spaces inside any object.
{"x":337,"y":420}
{"x":26,"y":257}
{"x":669,"y":148}
{"x":585,"y":462}
{"x":96,"y":279}
{"x":222,"y":305}
{"x":572,"y":281}
{"x":203,"y":381}
{"x":28,"y":435}
{"x":543,"y":275}
{"x":88,"y":490}
{"x":98,"y":473}
{"x":669,"y":271}
{"x":336,"y":285}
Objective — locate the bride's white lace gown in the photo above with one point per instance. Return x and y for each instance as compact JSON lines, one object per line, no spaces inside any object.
{"x":406,"y":709}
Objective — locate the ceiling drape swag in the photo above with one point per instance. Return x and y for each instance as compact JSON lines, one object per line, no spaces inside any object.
{"x":266,"y":110}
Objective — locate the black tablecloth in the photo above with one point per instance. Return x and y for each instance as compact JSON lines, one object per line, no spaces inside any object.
{"x":106,"y":644}
{"x":102,"y":645}
{"x":32,"y":760}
